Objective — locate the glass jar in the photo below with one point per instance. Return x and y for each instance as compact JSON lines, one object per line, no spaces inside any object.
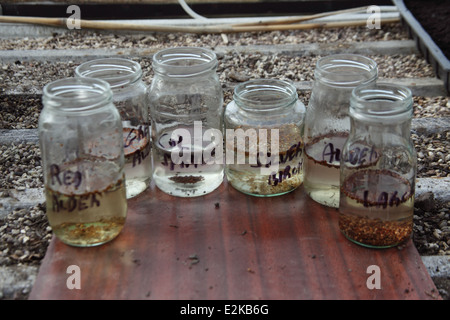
{"x":80,"y":135}
{"x":378,"y":167}
{"x":186,"y":108}
{"x":263,"y":139}
{"x":327,"y":123}
{"x":129,"y":95}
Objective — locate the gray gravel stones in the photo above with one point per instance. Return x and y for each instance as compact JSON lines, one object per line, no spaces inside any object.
{"x":431,"y":228}
{"x":25,"y":236}
{"x":433,"y":159}
{"x":20,"y":166}
{"x":435,"y":107}
{"x":88,"y":39}
{"x":19,"y":111}
{"x":29,"y":77}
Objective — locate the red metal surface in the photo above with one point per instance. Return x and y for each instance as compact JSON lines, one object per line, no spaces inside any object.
{"x":227,"y":245}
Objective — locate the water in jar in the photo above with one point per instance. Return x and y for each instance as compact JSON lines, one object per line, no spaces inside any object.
{"x":188,"y":161}
{"x":376,"y":208}
{"x":271,"y":174}
{"x":86,"y":205}
{"x":138,"y":159}
{"x":322,"y":168}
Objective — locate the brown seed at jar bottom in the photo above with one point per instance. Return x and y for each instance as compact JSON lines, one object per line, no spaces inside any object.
{"x":187,"y":179}
{"x":86,"y":234}
{"x":375,"y":232}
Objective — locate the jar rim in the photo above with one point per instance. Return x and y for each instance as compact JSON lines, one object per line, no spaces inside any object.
{"x":346,"y":70}
{"x":118,"y":72}
{"x":265,"y":94}
{"x":381,"y":101}
{"x":182,"y":62}
{"x":77,"y":94}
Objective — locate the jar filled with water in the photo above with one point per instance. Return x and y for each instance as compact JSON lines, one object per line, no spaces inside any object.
{"x":129,"y":96}
{"x":80,"y":135}
{"x":264,"y":147}
{"x":378,"y":168}
{"x":327,"y":123}
{"x":186,"y":109}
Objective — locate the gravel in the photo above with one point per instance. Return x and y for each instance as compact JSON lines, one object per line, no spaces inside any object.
{"x":19,"y":111}
{"x":433,"y":159}
{"x":20,"y":166}
{"x":87,"y":39}
{"x":27,"y":77}
{"x":25,"y":233}
{"x":25,"y":236}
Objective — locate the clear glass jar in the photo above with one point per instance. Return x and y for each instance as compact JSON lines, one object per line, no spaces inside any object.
{"x":129,"y":95}
{"x":327,"y":123}
{"x":186,"y":108}
{"x":263,"y":139}
{"x":80,"y":135}
{"x":378,"y":167}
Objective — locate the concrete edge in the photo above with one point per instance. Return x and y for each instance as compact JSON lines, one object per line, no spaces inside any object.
{"x":422,"y":87}
{"x":369,"y":48}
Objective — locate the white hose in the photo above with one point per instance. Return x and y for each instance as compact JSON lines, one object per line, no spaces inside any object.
{"x":190,"y":12}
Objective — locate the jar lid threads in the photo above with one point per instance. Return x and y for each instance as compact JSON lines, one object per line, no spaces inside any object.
{"x":384,"y":102}
{"x":77,"y":94}
{"x":117,"y":72}
{"x":184,"y":62}
{"x":346,"y":70}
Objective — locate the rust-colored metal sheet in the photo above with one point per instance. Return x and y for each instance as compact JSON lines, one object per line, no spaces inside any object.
{"x":227,"y":245}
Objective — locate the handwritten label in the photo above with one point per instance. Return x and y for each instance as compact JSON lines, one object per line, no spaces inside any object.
{"x":292,"y":153}
{"x":66,"y":177}
{"x":136,"y":144}
{"x":385,"y":199}
{"x":182,"y":149}
{"x":327,"y":149}
{"x":361,"y":155}
{"x":331,"y":154}
{"x":140,"y":155}
{"x":72,"y":203}
{"x":286,"y":173}
{"x":70,"y":179}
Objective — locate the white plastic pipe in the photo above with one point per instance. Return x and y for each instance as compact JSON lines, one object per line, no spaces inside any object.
{"x":191,"y":12}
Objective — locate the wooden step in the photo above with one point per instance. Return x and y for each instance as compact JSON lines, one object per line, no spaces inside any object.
{"x":227,"y":245}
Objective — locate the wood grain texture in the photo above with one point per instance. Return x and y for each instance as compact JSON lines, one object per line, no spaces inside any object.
{"x":227,"y":245}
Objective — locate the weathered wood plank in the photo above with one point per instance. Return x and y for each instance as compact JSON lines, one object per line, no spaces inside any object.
{"x":286,"y":247}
